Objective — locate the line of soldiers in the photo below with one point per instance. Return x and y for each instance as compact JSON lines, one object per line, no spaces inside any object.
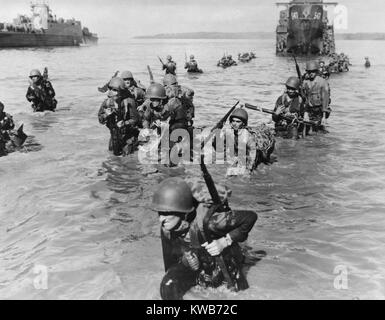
{"x":246,"y":56}
{"x":306,"y":100}
{"x":226,"y":61}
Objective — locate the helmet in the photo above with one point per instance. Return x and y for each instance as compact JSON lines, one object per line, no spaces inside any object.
{"x":126,"y":75}
{"x":157,"y":91}
{"x":169,"y":58}
{"x":240,"y":114}
{"x":35,"y":72}
{"x":169,"y":80}
{"x":173,"y":195}
{"x":1,"y":107}
{"x":192,"y":56}
{"x":293,"y":82}
{"x":312,"y":65}
{"x":116,"y":83}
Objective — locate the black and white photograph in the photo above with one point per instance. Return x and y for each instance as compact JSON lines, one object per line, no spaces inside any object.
{"x":214,"y":150}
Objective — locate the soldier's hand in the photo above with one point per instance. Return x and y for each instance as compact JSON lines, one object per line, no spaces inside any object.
{"x":191,"y":260}
{"x":158,"y":123}
{"x":306,"y":117}
{"x":279,"y":110}
{"x":216,"y":247}
{"x":120,"y":124}
{"x":324,"y":122}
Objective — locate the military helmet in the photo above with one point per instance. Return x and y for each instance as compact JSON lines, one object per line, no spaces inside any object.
{"x":1,"y":107}
{"x":156,"y":91}
{"x":116,"y":83}
{"x":126,"y":75}
{"x":293,"y":82}
{"x":169,"y":80}
{"x":169,"y":58}
{"x":34,"y":73}
{"x":192,"y":56}
{"x":240,"y":114}
{"x":312,"y":65}
{"x":173,"y":195}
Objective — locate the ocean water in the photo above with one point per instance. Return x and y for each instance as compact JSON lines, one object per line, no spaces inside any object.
{"x":74,"y":213}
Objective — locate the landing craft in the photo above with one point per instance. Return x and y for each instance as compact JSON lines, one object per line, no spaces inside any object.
{"x":43,"y":29}
{"x":305,"y":28}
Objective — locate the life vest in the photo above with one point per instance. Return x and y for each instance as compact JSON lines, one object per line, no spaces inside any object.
{"x":313,"y":90}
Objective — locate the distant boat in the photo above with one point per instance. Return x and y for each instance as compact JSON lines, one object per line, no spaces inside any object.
{"x":304,"y":28}
{"x":42,"y":29}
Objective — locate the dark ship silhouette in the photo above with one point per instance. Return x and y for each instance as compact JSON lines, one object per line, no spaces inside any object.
{"x":304,"y":28}
{"x":43,"y":29}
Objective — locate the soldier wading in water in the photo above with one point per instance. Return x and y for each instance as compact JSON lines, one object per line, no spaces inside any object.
{"x":40,"y":92}
{"x":199,"y":237}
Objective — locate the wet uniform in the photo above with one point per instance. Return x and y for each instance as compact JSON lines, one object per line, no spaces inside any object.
{"x":42,"y":96}
{"x":317,"y":93}
{"x":189,"y":237}
{"x":294,"y":108}
{"x":170,"y":67}
{"x":123,"y":139}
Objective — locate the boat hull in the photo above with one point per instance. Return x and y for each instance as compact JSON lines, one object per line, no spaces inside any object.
{"x":20,"y":39}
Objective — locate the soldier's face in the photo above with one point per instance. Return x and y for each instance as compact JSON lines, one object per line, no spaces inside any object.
{"x":155,"y":103}
{"x":127,"y":82}
{"x":312,"y":74}
{"x":236,"y":124}
{"x":291,"y":92}
{"x":170,"y":221}
{"x":34,"y":79}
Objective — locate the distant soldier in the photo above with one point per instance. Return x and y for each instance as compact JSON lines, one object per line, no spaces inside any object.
{"x":317,"y":93}
{"x":170,"y":66}
{"x":120,"y":116}
{"x":132,"y":86}
{"x":192,"y":65}
{"x":323,"y":70}
{"x":367,"y":62}
{"x":40,"y":93}
{"x":291,"y":105}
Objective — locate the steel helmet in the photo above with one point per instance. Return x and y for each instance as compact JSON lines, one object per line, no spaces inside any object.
{"x":173,"y":195}
{"x":240,"y":114}
{"x":126,"y":75}
{"x":116,"y":83}
{"x":169,"y":80}
{"x":35,"y":72}
{"x":156,"y":91}
{"x":312,"y":65}
{"x":192,"y":56}
{"x":293,"y":82}
{"x":169,"y":58}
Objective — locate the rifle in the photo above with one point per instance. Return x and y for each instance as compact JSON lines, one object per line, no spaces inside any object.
{"x":164,"y":66}
{"x":220,"y":123}
{"x":18,"y":137}
{"x":45,"y":73}
{"x":104,"y":89}
{"x":287,"y":118}
{"x":219,"y":205}
{"x":151,"y":75}
{"x":298,"y":70}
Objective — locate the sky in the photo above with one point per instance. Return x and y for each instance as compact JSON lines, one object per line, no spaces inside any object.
{"x":129,"y":18}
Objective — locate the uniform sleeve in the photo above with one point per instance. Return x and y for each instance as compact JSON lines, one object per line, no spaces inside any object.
{"x":102,"y":116}
{"x":243,"y":223}
{"x":30,"y":94}
{"x":275,"y":117}
{"x":133,"y":113}
{"x":50,"y":89}
{"x":325,"y":96}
